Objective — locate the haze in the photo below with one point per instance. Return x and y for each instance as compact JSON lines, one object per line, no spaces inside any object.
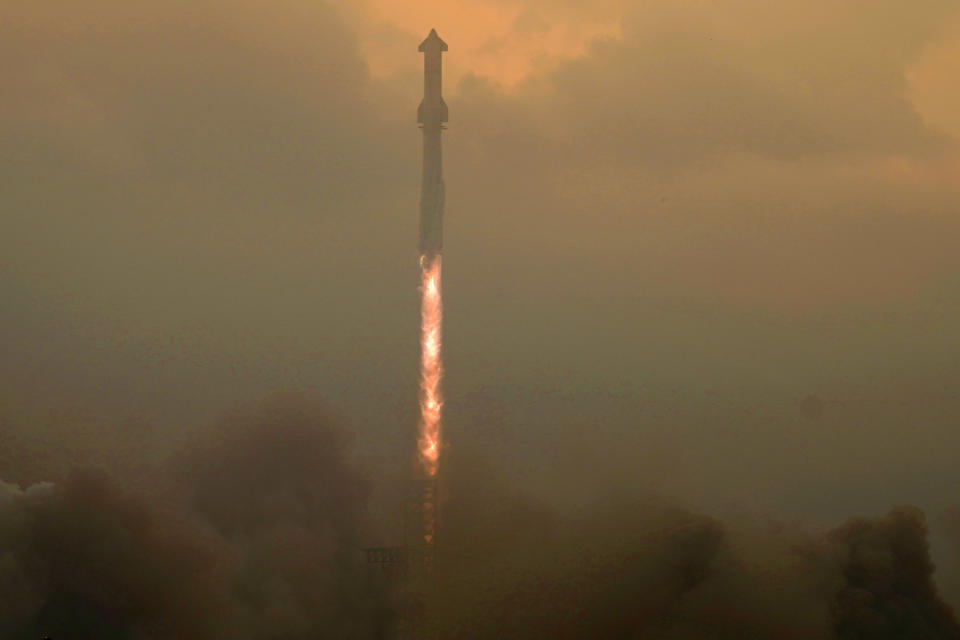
{"x":703,"y":251}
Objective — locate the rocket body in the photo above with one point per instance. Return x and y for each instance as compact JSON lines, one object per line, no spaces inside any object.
{"x":432,"y":114}
{"x":431,"y":196}
{"x":433,"y":110}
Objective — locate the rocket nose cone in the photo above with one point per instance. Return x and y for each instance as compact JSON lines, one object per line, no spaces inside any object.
{"x":433,"y":42}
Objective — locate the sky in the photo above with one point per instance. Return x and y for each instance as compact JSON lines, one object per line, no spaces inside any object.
{"x":504,"y":41}
{"x":702,"y":250}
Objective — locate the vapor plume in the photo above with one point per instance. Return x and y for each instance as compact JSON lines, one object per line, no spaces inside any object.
{"x":259,"y":532}
{"x":258,"y":536}
{"x":629,"y":568}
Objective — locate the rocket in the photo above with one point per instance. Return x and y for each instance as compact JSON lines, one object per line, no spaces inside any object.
{"x":432,"y":115}
{"x":433,"y":110}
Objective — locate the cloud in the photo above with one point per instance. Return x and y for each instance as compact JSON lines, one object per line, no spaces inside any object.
{"x":266,"y":543}
{"x":86,"y":559}
{"x":888,"y":591}
{"x":631,"y":568}
{"x":689,"y":82}
{"x":257,"y":533}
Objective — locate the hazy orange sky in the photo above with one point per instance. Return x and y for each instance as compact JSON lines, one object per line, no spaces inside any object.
{"x":500,"y":39}
{"x":507,"y":40}
{"x":934,"y":79}
{"x":696,"y":212}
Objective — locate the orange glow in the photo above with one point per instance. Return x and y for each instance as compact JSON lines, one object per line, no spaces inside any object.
{"x":500,"y":40}
{"x":431,"y":365}
{"x":932,"y":81}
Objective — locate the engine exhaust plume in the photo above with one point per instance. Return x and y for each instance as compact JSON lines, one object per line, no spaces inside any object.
{"x":431,"y":365}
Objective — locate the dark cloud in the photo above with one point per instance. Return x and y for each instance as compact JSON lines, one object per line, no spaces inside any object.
{"x":262,"y":540}
{"x":260,"y":531}
{"x":644,"y":569}
{"x":948,"y":565}
{"x":83,"y":558}
{"x":275,"y":484}
{"x":888,"y":591}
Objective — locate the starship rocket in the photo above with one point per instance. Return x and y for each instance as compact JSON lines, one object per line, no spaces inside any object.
{"x":432,"y":115}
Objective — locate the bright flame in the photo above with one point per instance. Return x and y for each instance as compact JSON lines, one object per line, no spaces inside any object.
{"x":431,"y":366}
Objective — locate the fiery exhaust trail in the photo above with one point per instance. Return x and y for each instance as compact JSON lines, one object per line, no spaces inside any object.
{"x":431,"y":364}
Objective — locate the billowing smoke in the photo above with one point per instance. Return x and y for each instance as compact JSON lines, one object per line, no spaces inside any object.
{"x":887,"y":591}
{"x":257,"y":534}
{"x":634,"y":568}
{"x":275,"y":485}
{"x":258,"y":537}
{"x":82,"y":559}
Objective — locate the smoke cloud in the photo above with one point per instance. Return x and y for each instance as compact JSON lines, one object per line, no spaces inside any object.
{"x":633,"y":568}
{"x":260,"y":532}
{"x":257,"y":536}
